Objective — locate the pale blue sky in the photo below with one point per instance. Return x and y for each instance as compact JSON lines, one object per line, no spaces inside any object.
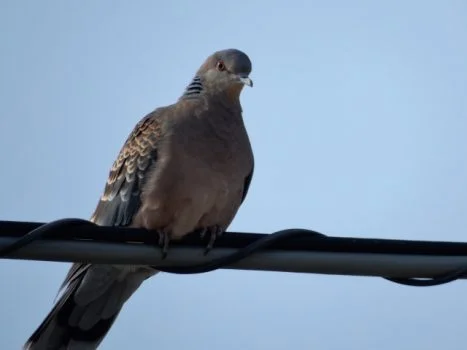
{"x":358,"y":123}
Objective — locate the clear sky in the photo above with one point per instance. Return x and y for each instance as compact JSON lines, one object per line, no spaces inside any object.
{"x":358,"y":124}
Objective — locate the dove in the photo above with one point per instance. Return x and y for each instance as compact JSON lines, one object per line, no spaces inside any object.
{"x":184,"y":167}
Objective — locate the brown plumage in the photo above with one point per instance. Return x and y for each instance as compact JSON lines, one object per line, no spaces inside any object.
{"x":184,"y":167}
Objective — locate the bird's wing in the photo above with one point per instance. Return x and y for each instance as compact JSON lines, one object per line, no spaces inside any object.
{"x":121,"y":198}
{"x":247,"y":182}
{"x":94,"y":294}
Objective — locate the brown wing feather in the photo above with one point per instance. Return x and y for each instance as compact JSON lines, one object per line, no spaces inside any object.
{"x":121,"y":198}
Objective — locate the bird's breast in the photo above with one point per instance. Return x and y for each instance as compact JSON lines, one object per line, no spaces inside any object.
{"x":221,"y":147}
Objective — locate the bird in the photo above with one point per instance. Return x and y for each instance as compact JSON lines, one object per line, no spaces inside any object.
{"x":184,"y":167}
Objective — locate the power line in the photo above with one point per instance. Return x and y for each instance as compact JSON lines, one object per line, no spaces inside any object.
{"x":416,"y":263}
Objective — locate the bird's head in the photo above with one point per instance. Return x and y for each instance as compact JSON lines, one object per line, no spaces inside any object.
{"x":226,"y":71}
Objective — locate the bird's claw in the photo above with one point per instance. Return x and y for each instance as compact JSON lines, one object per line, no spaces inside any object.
{"x":163,"y":242}
{"x":214,"y":232}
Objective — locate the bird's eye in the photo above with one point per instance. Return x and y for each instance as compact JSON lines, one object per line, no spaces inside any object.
{"x":220,"y":66}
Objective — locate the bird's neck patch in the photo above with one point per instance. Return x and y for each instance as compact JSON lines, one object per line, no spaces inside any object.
{"x":194,"y":88}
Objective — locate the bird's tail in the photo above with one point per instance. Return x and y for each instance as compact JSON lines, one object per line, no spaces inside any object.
{"x":93,"y":297}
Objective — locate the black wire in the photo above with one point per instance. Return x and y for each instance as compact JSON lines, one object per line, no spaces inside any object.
{"x":241,"y":253}
{"x":45,"y":230}
{"x":54,"y":227}
{"x":430,"y":282}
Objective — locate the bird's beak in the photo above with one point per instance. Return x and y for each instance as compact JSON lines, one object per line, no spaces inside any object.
{"x":244,"y":79}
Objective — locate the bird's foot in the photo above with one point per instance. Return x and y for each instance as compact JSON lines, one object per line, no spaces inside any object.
{"x":214,"y":232}
{"x":163,"y":242}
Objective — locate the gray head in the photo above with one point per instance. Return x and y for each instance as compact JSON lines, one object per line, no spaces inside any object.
{"x":225,"y":71}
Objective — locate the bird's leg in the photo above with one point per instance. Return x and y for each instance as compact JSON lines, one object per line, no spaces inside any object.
{"x":214,"y":232}
{"x":164,"y":239}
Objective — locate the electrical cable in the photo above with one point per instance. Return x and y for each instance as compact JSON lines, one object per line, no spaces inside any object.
{"x":50,"y":229}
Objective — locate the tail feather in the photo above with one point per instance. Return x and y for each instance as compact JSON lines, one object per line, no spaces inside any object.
{"x":89,"y":305}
